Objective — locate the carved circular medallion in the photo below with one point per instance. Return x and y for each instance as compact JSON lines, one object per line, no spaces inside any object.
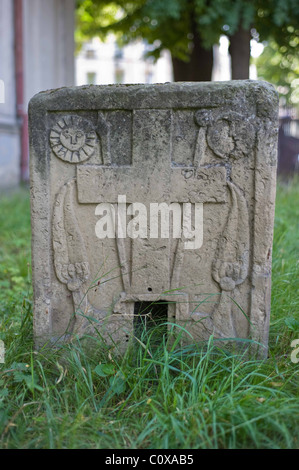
{"x":72,"y":139}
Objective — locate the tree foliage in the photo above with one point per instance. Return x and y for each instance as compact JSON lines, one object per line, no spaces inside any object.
{"x":173,"y":24}
{"x":164,"y":24}
{"x":280,"y":65}
{"x":168,"y":22}
{"x":278,"y":25}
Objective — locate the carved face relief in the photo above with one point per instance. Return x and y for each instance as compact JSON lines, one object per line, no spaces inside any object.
{"x":231,"y":136}
{"x":72,"y":139}
{"x":220,"y":139}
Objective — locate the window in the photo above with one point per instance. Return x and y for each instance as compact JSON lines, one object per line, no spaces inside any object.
{"x":119,"y":75}
{"x":91,"y":78}
{"x":119,"y":53}
{"x":90,"y":54}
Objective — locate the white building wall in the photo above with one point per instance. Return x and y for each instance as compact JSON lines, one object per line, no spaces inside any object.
{"x":9,"y":130}
{"x":48,"y":62}
{"x":101,"y":60}
{"x":135,"y":69}
{"x":49,"y":45}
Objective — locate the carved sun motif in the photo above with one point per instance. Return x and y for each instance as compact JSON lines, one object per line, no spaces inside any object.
{"x":72,"y":140}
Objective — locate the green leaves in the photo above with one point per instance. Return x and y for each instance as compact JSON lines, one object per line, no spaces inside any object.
{"x":104,"y":370}
{"x":14,"y":255}
{"x":3,"y":393}
{"x":23,"y":374}
{"x":117,"y":380}
{"x":280,"y":66}
{"x":117,"y":383}
{"x":292,"y":323}
{"x":170,"y":22}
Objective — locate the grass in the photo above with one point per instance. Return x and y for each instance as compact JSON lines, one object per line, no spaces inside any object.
{"x":167,"y":398}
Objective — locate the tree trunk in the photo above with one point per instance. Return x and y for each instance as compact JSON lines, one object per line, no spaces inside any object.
{"x":239,"y":50}
{"x":199,"y":68}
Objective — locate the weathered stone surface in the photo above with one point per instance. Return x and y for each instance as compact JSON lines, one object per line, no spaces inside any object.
{"x":208,"y":143}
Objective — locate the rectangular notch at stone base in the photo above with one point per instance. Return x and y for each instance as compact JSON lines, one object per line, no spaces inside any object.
{"x":150,"y":320}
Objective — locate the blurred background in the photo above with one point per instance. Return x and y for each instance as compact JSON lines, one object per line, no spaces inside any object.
{"x":48,"y":44}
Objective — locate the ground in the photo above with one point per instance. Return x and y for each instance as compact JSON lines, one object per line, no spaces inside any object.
{"x":153,"y":398}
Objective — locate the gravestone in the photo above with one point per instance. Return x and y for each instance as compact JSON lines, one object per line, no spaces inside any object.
{"x":147,"y":195}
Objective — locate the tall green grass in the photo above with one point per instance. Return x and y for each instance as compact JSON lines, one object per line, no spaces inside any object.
{"x":152,"y":397}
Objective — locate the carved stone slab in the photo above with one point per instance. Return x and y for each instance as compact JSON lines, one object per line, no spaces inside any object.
{"x":209,"y":148}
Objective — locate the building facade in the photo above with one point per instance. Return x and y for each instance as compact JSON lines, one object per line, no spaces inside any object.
{"x":36,"y":53}
{"x":103,"y":63}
